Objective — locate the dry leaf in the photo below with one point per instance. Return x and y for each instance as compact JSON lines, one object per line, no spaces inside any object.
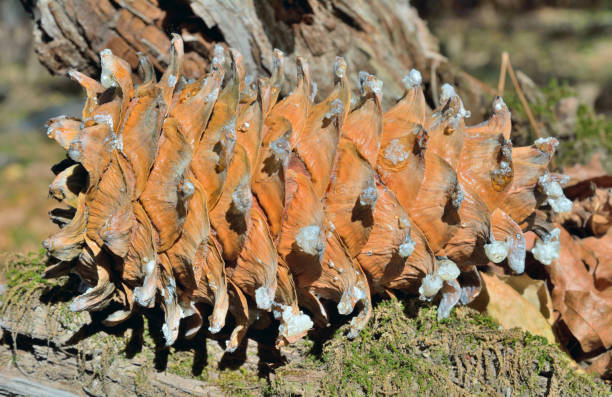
{"x":502,"y":302}
{"x":534,"y":292}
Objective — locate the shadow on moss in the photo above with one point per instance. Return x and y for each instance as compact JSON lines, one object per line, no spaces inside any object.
{"x":404,"y":350}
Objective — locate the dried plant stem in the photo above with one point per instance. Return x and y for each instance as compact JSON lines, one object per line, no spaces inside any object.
{"x":506,"y":64}
{"x":502,"y":73}
{"x":434,"y":83}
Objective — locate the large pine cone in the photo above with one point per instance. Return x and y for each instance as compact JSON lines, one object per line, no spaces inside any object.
{"x":214,"y":191}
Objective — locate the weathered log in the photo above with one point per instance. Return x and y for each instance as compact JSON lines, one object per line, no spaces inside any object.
{"x":385,"y":38}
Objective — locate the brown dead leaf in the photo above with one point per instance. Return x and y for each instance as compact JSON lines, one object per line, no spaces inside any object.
{"x":590,"y":215}
{"x":601,"y":249}
{"x":502,"y":302}
{"x":534,"y":292}
{"x":582,"y":172}
{"x":585,"y":310}
{"x":589,"y":317}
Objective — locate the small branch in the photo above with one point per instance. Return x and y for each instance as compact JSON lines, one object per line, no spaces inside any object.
{"x":434,"y":82}
{"x":502,"y":74}
{"x":522,"y":98}
{"x":506,"y":64}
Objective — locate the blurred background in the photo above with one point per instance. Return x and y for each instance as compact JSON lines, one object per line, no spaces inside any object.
{"x":561,"y":50}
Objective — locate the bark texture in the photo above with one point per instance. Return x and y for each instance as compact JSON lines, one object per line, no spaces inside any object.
{"x":386,"y":38}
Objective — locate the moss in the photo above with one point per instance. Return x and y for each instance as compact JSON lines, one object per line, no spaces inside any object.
{"x":403,"y":350}
{"x":543,"y":110}
{"x":26,"y":291}
{"x":592,"y":132}
{"x":383,"y":358}
{"x":241,"y":382}
{"x":25,"y":270}
{"x":23,"y":275}
{"x":181,"y":363}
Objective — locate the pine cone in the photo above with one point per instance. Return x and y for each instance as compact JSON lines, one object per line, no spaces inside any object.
{"x":215,"y":191}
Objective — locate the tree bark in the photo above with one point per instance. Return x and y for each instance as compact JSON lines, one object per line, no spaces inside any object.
{"x":386,"y":38}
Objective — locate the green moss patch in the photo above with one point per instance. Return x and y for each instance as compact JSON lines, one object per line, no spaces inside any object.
{"x":404,"y":350}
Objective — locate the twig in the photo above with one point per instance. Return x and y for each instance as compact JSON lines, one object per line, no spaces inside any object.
{"x":521,"y":96}
{"x":434,"y":82}
{"x":506,"y":64}
{"x":502,"y":74}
